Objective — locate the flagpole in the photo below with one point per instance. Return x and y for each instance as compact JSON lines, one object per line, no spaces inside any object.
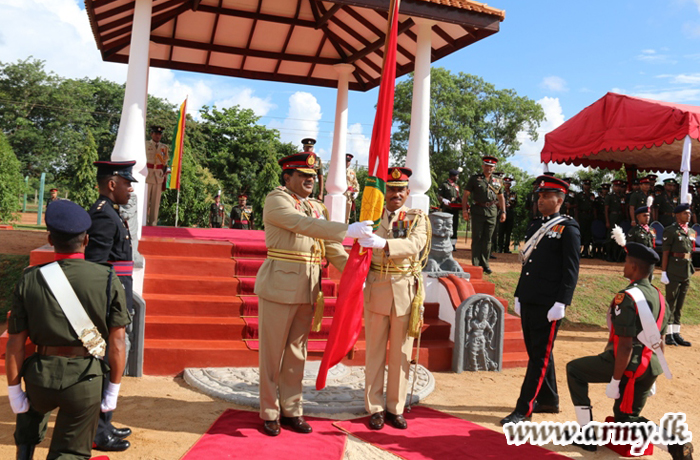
{"x":177,"y":207}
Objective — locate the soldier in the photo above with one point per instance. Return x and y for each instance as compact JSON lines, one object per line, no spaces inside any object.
{"x":550,"y":259}
{"x":665,"y":203}
{"x":511,"y":199}
{"x":110,"y":242}
{"x":297,"y":236}
{"x":642,"y":233}
{"x":584,"y":213}
{"x":242,"y":215}
{"x":487,"y":194}
{"x":157,"y":164}
{"x":614,"y":208}
{"x":392,"y":284}
{"x":308,"y":146}
{"x":353,"y":187}
{"x":677,"y":268}
{"x":216,"y":213}
{"x":628,"y":365}
{"x":61,"y":373}
{"x":53,"y":196}
{"x":451,"y":201}
{"x":639,"y":198}
{"x":695,"y":203}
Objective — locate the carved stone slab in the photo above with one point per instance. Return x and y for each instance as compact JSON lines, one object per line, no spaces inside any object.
{"x":345,"y":390}
{"x":479,"y":331}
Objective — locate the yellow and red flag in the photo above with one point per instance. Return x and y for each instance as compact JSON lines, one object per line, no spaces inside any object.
{"x":347,"y":320}
{"x":178,"y":143}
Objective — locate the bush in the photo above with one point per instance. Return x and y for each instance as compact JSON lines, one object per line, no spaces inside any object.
{"x":11,"y":183}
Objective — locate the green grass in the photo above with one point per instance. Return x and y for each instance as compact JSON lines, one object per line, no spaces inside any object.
{"x":28,"y":227}
{"x":11,"y":268}
{"x":593,"y":295}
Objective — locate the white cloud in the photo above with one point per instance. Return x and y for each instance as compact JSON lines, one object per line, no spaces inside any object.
{"x":554,"y":84}
{"x":358,"y":144}
{"x":244,"y":97}
{"x":653,"y":57}
{"x":528,"y":157}
{"x":163,"y":83}
{"x":678,"y":95}
{"x":302,"y":118}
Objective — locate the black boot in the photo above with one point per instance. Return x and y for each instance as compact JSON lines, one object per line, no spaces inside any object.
{"x":680,"y":340}
{"x":670,"y":340}
{"x":25,"y":451}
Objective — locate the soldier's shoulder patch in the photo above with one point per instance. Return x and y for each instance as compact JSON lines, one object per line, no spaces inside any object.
{"x":415,"y":212}
{"x":619,"y":298}
{"x":692,"y":233}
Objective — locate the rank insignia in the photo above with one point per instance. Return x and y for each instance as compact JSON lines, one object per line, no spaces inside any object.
{"x":619,"y":298}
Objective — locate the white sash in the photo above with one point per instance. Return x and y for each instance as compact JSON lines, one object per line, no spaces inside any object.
{"x":650,"y":335}
{"x":75,"y":313}
{"x":530,"y":244}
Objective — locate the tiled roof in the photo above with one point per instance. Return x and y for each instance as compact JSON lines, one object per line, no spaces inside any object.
{"x":477,"y":7}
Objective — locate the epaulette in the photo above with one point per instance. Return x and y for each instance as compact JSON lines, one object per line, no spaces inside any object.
{"x":415,"y":212}
{"x":99,"y":206}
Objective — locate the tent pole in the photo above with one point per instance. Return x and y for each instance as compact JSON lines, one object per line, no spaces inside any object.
{"x":685,"y":169}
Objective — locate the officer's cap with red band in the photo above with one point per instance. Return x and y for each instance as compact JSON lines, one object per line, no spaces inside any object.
{"x":490,"y":160}
{"x":305,"y":162}
{"x":398,"y":177}
{"x":552,"y":184}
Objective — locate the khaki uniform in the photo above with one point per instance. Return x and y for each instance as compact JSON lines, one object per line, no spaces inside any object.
{"x":156,"y":161}
{"x":287,"y":284}
{"x":388,"y":297}
{"x":71,"y":384}
{"x":353,"y":188}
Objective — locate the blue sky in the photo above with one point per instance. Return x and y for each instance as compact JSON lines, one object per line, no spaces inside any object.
{"x":563,"y":54}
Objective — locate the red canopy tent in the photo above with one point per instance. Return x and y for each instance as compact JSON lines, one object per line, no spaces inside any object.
{"x":618,"y":129}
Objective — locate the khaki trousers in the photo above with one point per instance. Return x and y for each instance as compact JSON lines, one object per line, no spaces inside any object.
{"x":378,"y":330}
{"x":154,"y":193}
{"x":284,"y":332}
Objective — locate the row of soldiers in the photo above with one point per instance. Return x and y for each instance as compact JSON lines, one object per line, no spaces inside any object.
{"x":241,"y":216}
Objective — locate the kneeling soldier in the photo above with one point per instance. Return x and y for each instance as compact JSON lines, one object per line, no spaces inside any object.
{"x":70,"y":309}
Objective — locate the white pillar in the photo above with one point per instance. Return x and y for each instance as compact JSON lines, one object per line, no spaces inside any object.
{"x":685,"y":169}
{"x":336,"y":182}
{"x":418,"y":158}
{"x":131,"y":143}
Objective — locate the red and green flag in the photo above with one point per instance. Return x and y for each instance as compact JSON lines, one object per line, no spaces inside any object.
{"x":347,"y":320}
{"x":173,"y":182}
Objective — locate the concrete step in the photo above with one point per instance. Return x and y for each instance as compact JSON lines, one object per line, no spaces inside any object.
{"x":514,"y":359}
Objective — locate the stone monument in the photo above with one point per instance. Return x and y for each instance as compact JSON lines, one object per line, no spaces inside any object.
{"x":479,"y":330}
{"x":440,"y":261}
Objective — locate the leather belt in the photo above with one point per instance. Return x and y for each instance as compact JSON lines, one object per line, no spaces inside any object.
{"x":681,"y":255}
{"x":486,"y":204}
{"x":154,"y":166}
{"x":66,"y":352}
{"x":241,"y":221}
{"x":298,"y":257}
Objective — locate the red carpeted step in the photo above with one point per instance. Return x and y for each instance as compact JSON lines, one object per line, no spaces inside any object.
{"x":194,"y":328}
{"x":192,"y":305}
{"x":475,"y":273}
{"x":185,"y":248}
{"x":249,"y":249}
{"x":201,"y":266}
{"x":483,"y":287}
{"x":514,"y":359}
{"x":170,"y":357}
{"x":191,"y":285}
{"x":512,"y":323}
{"x":513,"y":342}
{"x":248,"y":285}
{"x":504,"y":302}
{"x":250,"y":267}
{"x":432,"y":309}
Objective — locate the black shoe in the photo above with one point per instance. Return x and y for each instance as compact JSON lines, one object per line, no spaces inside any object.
{"x":681,"y":451}
{"x":25,"y":451}
{"x":680,"y":340}
{"x":492,"y":257}
{"x":397,"y":421}
{"x":488,"y":271}
{"x":271,"y":427}
{"x":670,"y":340}
{"x":110,"y":443}
{"x":586,"y":447}
{"x":297,"y":424}
{"x":376,"y":421}
{"x":515,"y":417}
{"x":545,"y":408}
{"x":121,"y":433}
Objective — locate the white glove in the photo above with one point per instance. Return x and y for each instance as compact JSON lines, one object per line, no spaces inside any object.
{"x":18,"y":399}
{"x":374,"y":241}
{"x":652,"y":390}
{"x":446,"y":201}
{"x":360,"y":229}
{"x":516,"y":306}
{"x":109,"y":398}
{"x":556,"y":312}
{"x":613,"y":389}
{"x":664,"y":278}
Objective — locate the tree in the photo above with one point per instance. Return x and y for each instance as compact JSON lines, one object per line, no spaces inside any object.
{"x":82,"y":179}
{"x":10,"y":181}
{"x":469,"y":118}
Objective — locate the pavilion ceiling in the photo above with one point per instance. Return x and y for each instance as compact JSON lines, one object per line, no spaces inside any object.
{"x":297,"y":41}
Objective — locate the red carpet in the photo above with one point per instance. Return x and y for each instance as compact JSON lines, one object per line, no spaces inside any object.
{"x":433,"y":435}
{"x":238,"y":434}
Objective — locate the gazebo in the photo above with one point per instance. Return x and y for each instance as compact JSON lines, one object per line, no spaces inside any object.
{"x":640,"y":133}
